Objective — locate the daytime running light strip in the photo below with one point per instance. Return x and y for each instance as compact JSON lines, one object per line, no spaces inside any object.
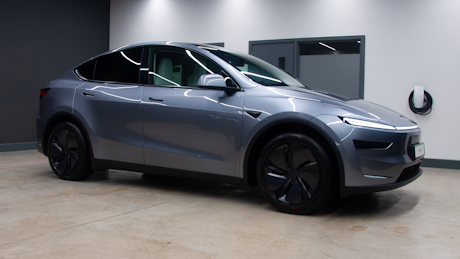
{"x":407,"y":127}
{"x":369,"y":124}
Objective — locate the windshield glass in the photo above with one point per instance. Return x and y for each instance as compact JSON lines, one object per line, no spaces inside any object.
{"x":256,"y":69}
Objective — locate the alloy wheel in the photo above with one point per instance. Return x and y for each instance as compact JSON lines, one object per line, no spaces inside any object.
{"x":64,"y":151}
{"x":292,"y":173}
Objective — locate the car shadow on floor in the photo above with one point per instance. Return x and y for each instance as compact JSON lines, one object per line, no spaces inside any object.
{"x":387,"y":204}
{"x":240,"y":193}
{"x":383,"y":204}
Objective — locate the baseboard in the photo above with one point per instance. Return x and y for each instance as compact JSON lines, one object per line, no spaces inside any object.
{"x":441,"y":163}
{"x":18,"y":146}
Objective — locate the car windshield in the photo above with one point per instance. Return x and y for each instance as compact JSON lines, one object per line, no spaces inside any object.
{"x":256,"y":69}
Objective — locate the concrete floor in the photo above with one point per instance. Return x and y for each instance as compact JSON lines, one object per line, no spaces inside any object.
{"x":119,"y":214}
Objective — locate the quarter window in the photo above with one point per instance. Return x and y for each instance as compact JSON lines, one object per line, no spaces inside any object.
{"x":179,"y":67}
{"x":86,"y":70}
{"x":122,"y":66}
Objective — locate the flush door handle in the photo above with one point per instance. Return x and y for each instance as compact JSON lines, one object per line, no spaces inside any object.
{"x":155,"y":100}
{"x":89,"y":95}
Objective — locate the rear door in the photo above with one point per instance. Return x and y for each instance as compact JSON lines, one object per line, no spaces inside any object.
{"x":110,"y":103}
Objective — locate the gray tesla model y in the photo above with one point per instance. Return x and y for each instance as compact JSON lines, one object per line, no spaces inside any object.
{"x":193,"y":110}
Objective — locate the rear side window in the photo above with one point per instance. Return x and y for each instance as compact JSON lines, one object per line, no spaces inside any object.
{"x":86,"y":70}
{"x":122,"y":66}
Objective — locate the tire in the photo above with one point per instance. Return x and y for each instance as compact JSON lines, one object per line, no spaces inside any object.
{"x":294,"y":174}
{"x":68,"y":153}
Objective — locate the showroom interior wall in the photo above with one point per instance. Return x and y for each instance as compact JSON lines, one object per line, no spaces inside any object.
{"x":40,"y":40}
{"x":408,"y":43}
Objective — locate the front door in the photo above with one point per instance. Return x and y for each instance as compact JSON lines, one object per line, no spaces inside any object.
{"x":186,"y":127}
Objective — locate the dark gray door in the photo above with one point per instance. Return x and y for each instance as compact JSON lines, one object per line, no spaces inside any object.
{"x":278,"y":54}
{"x":337,"y":73}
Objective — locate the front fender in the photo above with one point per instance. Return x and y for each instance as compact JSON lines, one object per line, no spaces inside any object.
{"x":319,"y":127}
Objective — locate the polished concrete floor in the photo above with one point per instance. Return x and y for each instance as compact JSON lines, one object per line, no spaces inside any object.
{"x":119,"y":214}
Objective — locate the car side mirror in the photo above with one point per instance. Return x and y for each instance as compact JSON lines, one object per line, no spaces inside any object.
{"x":212,"y":80}
{"x":217,"y":82}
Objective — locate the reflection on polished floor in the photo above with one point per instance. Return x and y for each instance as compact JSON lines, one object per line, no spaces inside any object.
{"x":119,"y":214}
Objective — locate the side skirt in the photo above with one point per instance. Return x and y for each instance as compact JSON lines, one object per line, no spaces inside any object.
{"x":99,"y":164}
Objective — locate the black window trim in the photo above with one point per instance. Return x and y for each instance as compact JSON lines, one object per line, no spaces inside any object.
{"x":150,"y":47}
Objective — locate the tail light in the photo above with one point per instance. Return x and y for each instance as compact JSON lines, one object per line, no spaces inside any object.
{"x":43,"y":92}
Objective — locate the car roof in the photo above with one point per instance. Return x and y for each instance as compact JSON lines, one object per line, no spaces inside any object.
{"x":193,"y":46}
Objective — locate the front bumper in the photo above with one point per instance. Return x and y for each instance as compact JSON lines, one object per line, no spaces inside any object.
{"x":374,"y":159}
{"x":407,"y":176}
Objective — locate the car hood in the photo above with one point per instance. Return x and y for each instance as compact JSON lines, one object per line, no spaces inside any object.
{"x":381,"y":113}
{"x":353,"y":108}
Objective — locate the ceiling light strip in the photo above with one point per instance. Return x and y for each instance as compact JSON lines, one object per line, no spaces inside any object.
{"x":327,"y":46}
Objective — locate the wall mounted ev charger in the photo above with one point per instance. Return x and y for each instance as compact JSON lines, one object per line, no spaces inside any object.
{"x":420,"y":101}
{"x":419,"y":97}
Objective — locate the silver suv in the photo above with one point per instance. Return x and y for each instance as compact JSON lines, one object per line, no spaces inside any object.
{"x":193,"y":110}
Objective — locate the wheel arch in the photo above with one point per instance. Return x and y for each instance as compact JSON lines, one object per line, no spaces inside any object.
{"x":274,"y":129}
{"x":63,"y":117}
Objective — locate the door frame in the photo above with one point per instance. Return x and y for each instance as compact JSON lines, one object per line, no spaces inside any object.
{"x":298,"y":41}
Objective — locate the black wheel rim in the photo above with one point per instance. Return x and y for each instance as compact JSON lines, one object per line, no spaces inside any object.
{"x":292,"y":174}
{"x":63,"y":152}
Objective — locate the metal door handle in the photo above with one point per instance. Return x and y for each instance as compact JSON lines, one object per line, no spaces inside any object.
{"x":155,"y":100}
{"x":89,"y":95}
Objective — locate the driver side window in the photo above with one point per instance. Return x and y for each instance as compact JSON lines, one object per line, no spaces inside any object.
{"x":178,"y":67}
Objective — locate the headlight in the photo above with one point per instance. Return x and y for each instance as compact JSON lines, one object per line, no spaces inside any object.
{"x":356,"y":122}
{"x":375,"y":125}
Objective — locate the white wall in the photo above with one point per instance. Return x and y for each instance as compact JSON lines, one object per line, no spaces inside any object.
{"x":408,"y":43}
